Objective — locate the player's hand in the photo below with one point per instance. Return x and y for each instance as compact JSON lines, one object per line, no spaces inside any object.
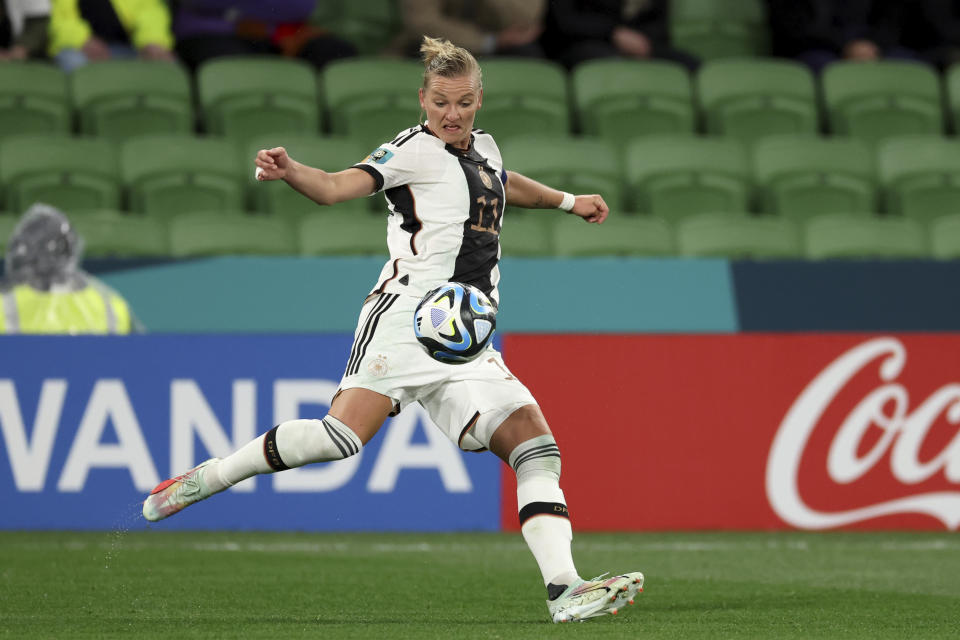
{"x":591,"y":208}
{"x":96,"y":49}
{"x":272,"y":164}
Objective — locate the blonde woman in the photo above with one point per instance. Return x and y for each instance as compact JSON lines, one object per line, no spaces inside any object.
{"x":446,"y":187}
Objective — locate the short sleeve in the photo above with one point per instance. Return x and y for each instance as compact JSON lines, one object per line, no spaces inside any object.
{"x":391,"y":165}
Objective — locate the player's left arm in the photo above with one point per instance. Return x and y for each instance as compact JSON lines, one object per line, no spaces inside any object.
{"x":530,"y":194}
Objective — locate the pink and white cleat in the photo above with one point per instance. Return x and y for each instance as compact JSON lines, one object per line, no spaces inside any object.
{"x":171,"y":496}
{"x":597,"y":597}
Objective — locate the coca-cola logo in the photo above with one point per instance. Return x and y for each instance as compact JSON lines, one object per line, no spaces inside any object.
{"x":903,"y":434}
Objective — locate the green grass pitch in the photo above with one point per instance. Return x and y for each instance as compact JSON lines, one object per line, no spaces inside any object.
{"x":158,"y":584}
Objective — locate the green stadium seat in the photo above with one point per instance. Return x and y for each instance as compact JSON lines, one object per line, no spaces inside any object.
{"x":234,"y":233}
{"x":877,"y":100}
{"x":168,"y":175}
{"x":920,"y":176}
{"x":370,"y":25}
{"x":577,"y":165}
{"x":330,"y":154}
{"x":850,"y":236}
{"x":750,"y":99}
{"x":619,"y":235}
{"x":739,"y":236}
{"x":244,"y":96}
{"x":372,"y":99}
{"x":676,"y":176}
{"x":710,"y":29}
{"x":109,"y":233}
{"x":122,"y":98}
{"x":622,"y":99}
{"x":33,"y":99}
{"x":800,"y":176}
{"x":68,"y":173}
{"x":945,"y":237}
{"x":523,"y":96}
{"x":327,"y":235}
{"x":7,"y":224}
{"x":528,"y":234}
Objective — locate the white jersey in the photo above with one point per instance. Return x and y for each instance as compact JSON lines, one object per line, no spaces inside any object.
{"x":445,"y":206}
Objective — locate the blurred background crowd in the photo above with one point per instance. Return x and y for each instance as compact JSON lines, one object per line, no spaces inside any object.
{"x":73,"y":33}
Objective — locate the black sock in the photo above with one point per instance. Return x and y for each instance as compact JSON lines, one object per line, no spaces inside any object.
{"x":554,"y":591}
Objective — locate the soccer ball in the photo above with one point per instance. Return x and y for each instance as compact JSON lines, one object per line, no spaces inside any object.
{"x":455,"y":322}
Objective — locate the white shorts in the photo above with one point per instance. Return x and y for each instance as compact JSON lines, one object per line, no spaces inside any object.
{"x":467,"y":401}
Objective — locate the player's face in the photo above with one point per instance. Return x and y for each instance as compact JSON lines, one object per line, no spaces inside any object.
{"x":451,"y":105}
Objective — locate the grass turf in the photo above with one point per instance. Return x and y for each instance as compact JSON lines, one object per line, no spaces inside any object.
{"x":158,"y":584}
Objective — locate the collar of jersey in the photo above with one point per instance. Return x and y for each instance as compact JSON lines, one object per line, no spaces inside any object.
{"x":470,"y":153}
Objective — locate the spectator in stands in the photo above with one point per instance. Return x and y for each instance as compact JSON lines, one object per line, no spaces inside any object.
{"x":208,"y":29}
{"x":83,"y":31}
{"x":45,"y":291}
{"x":580,"y":30}
{"x":817,"y":32}
{"x":484,"y":27}
{"x":933,"y":29}
{"x":23,"y":29}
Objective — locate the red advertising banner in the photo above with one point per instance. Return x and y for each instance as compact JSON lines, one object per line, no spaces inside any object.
{"x":755,"y":431}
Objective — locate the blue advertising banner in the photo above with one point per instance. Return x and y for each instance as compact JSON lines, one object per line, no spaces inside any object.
{"x":91,"y":424}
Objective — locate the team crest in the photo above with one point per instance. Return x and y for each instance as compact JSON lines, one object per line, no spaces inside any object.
{"x":485,"y":177}
{"x":379,"y":156}
{"x":378,"y":366}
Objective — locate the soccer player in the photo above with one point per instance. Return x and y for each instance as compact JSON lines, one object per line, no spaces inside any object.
{"x":446,"y":188}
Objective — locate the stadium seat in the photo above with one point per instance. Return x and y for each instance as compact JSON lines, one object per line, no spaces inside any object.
{"x":738,"y":236}
{"x":920,"y":176}
{"x":68,"y":173}
{"x":330,"y":154}
{"x":236,"y":233}
{"x":244,"y":96}
{"x":876,"y":100}
{"x":7,"y":224}
{"x":622,"y":99}
{"x":372,"y":99}
{"x":370,"y":25}
{"x":168,"y":175}
{"x":750,"y":99}
{"x":528,"y":234}
{"x":577,"y":165}
{"x":945,"y":237}
{"x":709,"y":29}
{"x":523,"y":96}
{"x":676,"y":176}
{"x":323,"y":235}
{"x":108,"y":233}
{"x":619,"y":235}
{"x":800,"y":176}
{"x":33,"y":99}
{"x":846,"y":236}
{"x":123,"y":98}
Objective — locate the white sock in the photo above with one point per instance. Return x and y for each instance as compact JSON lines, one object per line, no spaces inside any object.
{"x":548,"y":536}
{"x":290,"y":444}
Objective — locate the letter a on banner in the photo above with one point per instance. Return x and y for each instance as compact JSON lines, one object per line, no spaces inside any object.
{"x":398,"y":453}
{"x":109,"y":402}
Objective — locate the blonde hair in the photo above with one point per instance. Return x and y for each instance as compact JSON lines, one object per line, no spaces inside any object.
{"x":443,"y":58}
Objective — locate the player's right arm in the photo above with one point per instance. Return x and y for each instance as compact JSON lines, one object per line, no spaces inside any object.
{"x":318,"y":185}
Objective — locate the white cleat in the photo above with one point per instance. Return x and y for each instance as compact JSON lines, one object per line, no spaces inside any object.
{"x":173,"y":495}
{"x":592,"y":598}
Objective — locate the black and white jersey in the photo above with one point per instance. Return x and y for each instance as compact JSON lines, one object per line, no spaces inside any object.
{"x":445,"y":206}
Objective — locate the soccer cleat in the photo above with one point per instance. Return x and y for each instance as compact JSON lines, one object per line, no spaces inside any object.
{"x":171,"y":496}
{"x":591,"y":598}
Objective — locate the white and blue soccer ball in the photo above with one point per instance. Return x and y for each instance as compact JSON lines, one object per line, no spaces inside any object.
{"x":455,"y":322}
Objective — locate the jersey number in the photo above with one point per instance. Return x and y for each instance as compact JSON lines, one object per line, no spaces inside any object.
{"x":482,"y":209}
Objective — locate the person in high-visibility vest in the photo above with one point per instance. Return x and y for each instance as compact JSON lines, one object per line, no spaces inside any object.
{"x":44,"y":290}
